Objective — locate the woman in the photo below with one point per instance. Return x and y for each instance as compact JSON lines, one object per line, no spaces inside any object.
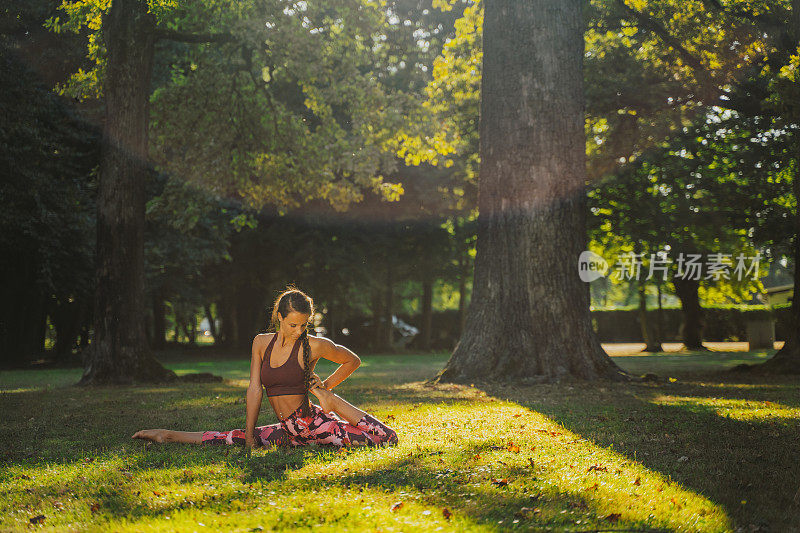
{"x":288,"y":376}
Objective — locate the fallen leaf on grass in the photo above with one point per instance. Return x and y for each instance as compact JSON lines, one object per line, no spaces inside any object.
{"x":638,"y":481}
{"x":512,"y":447}
{"x":397,"y":506}
{"x":500,"y":482}
{"x":38,"y":519}
{"x":527,"y":512}
{"x":95,"y":508}
{"x":593,"y":487}
{"x":446,"y":513}
{"x":613,"y":517}
{"x":597,"y":468}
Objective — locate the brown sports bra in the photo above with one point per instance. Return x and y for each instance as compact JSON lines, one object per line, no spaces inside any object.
{"x":287,"y":378}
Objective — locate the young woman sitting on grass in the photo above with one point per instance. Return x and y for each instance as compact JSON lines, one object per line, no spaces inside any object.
{"x":288,"y":377}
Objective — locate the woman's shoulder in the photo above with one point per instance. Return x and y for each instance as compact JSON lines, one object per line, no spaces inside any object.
{"x":317,"y":343}
{"x":262,"y":339}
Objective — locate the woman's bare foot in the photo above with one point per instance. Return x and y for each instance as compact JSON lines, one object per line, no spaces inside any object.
{"x":155,"y":435}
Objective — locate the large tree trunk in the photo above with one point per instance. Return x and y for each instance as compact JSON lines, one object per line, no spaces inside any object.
{"x":528,"y":319}
{"x":119,"y":352}
{"x":787,"y":359}
{"x":693,"y":320}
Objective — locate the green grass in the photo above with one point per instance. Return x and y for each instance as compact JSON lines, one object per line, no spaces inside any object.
{"x":705,"y":452}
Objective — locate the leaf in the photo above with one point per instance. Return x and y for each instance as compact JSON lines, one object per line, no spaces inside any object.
{"x":500,"y":482}
{"x":38,"y":519}
{"x":512,"y":447}
{"x":613,"y":517}
{"x":95,"y":507}
{"x":597,"y":468}
{"x":397,"y":506}
{"x":593,"y":487}
{"x":446,"y":513}
{"x":527,"y":512}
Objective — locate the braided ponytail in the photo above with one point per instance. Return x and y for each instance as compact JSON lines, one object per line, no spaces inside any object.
{"x":306,"y":373}
{"x":293,"y":299}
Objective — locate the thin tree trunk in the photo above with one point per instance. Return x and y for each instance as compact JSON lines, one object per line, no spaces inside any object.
{"x":120,"y":352}
{"x":693,"y":321}
{"x":389,"y":300}
{"x":377,"y":313}
{"x":212,"y":327}
{"x":159,"y":325}
{"x":427,"y":312}
{"x":528,"y":319}
{"x":463,"y":263}
{"x":652,"y":343}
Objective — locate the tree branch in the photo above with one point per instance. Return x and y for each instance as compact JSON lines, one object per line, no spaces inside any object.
{"x":763,"y":21}
{"x":655,"y":27}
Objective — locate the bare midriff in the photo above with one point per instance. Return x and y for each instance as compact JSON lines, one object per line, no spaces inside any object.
{"x":285,"y":404}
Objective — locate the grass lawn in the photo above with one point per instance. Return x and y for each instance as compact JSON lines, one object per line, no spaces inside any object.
{"x":705,"y":452}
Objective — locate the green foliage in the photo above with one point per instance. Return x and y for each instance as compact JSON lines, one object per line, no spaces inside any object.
{"x":305,"y":115}
{"x":48,"y":156}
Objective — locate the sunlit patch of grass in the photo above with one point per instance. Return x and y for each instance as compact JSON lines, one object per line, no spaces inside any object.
{"x":738,"y":409}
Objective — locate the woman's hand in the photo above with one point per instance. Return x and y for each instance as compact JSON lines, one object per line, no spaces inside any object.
{"x":316,"y":381}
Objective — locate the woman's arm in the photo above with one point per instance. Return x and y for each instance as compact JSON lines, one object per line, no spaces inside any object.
{"x":337,"y":353}
{"x":253,"y":393}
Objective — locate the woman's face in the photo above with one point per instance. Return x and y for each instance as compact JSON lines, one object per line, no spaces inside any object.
{"x":294,"y":324}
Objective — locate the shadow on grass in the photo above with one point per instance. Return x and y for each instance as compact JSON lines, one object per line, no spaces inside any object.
{"x":729,"y":461}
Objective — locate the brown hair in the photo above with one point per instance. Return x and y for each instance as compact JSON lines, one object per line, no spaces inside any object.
{"x":293,"y":299}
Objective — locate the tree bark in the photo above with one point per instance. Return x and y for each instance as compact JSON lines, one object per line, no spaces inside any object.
{"x":652,"y":342}
{"x":119,"y":352}
{"x":528,"y":319}
{"x":787,"y":359}
{"x":693,"y":320}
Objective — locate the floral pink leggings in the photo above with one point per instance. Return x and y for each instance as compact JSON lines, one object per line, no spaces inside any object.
{"x":320,"y":428}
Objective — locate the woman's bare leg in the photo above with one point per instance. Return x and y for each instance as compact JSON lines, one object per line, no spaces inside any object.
{"x":330,"y":401}
{"x":168,"y":435}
